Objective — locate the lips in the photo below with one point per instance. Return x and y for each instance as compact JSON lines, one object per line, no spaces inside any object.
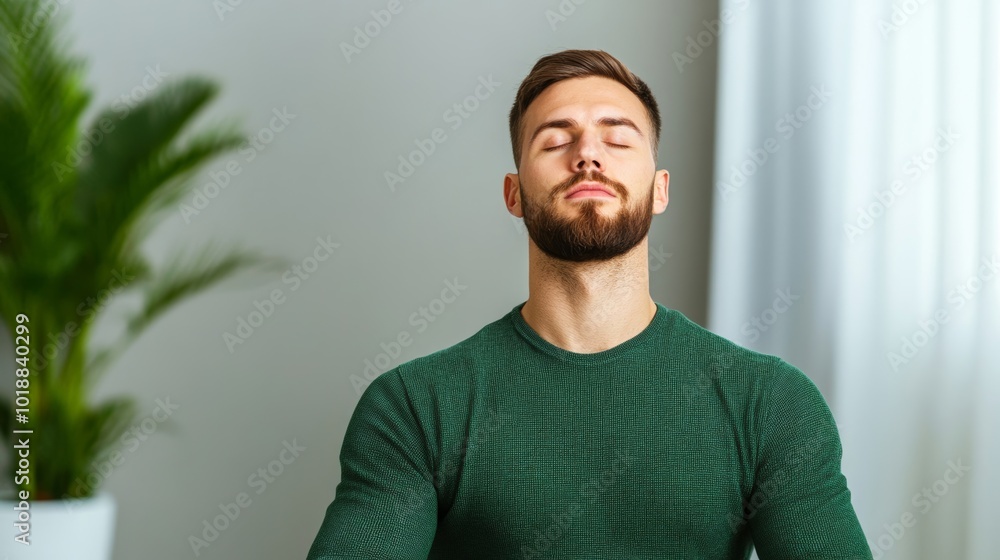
{"x":590,"y":189}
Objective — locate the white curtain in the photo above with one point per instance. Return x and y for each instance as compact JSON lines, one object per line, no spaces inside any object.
{"x":856,"y":233}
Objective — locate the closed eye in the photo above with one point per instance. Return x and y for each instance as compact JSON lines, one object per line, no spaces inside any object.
{"x":562,"y":145}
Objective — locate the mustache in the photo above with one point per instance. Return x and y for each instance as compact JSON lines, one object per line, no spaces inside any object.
{"x":590,"y":176}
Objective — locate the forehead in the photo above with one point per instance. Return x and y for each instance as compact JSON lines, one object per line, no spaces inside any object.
{"x":586,"y":100}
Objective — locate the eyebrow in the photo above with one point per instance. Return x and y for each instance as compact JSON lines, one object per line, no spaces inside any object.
{"x":570,"y":123}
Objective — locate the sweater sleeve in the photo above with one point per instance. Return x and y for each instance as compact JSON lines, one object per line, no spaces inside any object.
{"x":800,"y":507}
{"x":386,"y":503}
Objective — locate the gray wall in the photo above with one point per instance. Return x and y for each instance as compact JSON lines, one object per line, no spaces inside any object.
{"x":323,"y":176}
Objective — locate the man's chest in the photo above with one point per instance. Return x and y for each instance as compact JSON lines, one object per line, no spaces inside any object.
{"x":604,"y":474}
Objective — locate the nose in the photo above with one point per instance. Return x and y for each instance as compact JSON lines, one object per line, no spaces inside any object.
{"x":588,"y":155}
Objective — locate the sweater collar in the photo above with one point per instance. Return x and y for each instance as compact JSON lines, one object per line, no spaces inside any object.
{"x":643,"y":339}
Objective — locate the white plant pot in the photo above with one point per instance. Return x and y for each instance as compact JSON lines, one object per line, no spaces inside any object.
{"x":81,"y":529}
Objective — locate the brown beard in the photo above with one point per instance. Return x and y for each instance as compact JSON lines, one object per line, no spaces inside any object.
{"x":590,"y":236}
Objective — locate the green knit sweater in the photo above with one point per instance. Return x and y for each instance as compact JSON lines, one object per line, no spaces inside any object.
{"x":676,"y":444}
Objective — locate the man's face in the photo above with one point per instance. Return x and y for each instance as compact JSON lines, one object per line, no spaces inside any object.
{"x":586,"y":132}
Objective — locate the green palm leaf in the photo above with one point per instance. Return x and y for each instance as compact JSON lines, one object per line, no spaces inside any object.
{"x":75,"y":205}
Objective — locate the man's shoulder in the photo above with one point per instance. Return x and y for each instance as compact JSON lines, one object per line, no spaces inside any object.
{"x":688,"y":338}
{"x":712,"y":359}
{"x":459,"y":360}
{"x":763,"y":387}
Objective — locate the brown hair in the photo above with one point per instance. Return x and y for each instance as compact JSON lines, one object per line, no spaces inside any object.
{"x":574,"y":63}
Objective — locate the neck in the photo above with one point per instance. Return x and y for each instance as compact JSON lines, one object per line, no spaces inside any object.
{"x":589,"y":307}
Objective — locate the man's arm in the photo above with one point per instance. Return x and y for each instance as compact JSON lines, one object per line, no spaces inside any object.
{"x":386,"y":504}
{"x":800,"y":507}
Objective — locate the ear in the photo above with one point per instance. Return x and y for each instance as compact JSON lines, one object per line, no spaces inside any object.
{"x":661,"y":184}
{"x":512,"y":194}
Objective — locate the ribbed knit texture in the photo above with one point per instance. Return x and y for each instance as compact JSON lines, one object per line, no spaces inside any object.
{"x":676,"y":444}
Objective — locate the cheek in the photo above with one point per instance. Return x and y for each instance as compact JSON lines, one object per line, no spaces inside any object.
{"x":537,"y":179}
{"x":640,"y":174}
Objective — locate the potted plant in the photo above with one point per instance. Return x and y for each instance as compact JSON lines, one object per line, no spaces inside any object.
{"x":74,"y":207}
